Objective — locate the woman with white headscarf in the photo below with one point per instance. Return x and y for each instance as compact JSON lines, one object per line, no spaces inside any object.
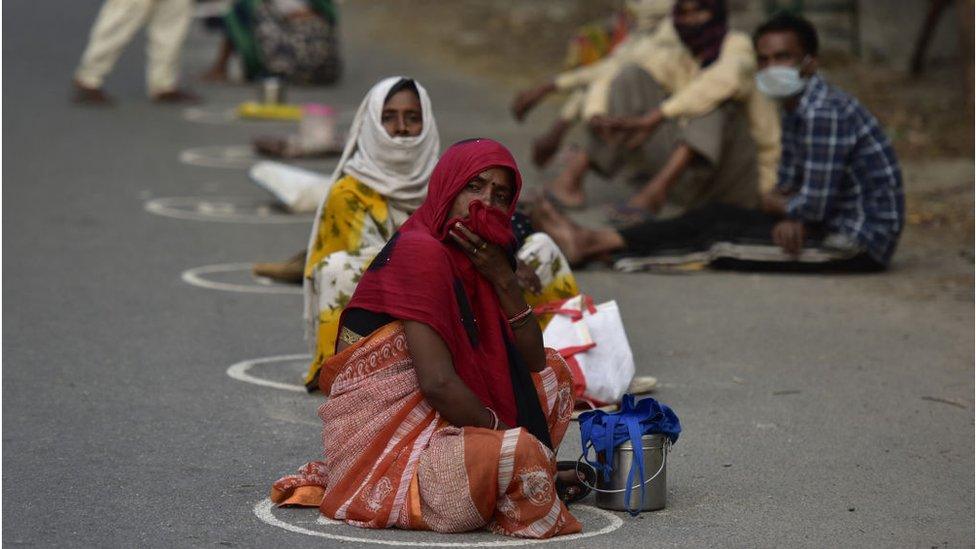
{"x":380,"y":180}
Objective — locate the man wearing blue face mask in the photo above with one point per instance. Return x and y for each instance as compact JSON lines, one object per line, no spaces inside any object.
{"x":838,"y":203}
{"x":838,"y":171}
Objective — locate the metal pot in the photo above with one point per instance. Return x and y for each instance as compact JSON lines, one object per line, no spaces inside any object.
{"x":611,"y":494}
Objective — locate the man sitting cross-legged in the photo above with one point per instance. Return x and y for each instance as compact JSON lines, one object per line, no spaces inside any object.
{"x":838,"y":202}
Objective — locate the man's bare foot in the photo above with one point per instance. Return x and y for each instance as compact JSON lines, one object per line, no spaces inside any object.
{"x":579,"y":244}
{"x":546,"y":218}
{"x":176,"y":96}
{"x":90,"y":96}
{"x":567,"y":187}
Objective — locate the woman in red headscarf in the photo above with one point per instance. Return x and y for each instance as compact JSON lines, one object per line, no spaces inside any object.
{"x":444,"y":409}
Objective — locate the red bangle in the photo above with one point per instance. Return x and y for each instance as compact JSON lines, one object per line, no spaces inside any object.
{"x":520,"y":316}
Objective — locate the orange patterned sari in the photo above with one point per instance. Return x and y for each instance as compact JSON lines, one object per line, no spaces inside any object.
{"x":391,"y":461}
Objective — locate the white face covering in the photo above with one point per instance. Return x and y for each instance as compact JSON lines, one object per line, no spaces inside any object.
{"x":781,"y":82}
{"x":396,"y":167}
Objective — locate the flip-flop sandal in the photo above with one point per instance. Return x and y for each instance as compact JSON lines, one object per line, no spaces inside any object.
{"x":642,"y":384}
{"x":573,"y":492}
{"x":559,"y":204}
{"x":622,"y":214}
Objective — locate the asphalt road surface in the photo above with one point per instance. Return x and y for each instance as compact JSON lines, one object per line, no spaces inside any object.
{"x":818,"y":411}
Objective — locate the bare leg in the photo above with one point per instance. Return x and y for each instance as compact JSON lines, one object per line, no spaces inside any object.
{"x":578,"y":244}
{"x":567,"y":187}
{"x":218,"y":72}
{"x":653,"y":195}
{"x":546,"y":145}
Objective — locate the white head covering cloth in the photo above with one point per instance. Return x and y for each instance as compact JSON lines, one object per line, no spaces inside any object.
{"x":396,"y":167}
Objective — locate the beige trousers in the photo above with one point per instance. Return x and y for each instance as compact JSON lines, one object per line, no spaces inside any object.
{"x":166,"y":21}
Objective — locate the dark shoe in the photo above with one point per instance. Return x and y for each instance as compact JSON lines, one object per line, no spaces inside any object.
{"x":288,"y":272}
{"x":177,"y":96}
{"x":90,"y":96}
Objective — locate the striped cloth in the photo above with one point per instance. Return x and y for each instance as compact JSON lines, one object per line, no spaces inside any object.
{"x":392,"y":461}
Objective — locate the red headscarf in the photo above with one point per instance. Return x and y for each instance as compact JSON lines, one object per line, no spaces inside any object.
{"x":704,"y":40}
{"x":423,"y":275}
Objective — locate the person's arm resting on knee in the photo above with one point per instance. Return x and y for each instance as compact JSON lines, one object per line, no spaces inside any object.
{"x":438,"y":381}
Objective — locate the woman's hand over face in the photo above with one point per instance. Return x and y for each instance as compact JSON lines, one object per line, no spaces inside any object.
{"x":528,"y":280}
{"x":490,"y":260}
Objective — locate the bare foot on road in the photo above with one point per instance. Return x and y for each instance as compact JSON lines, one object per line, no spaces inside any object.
{"x":579,"y":244}
{"x":547,"y":219}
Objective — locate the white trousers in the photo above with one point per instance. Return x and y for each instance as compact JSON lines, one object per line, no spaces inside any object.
{"x":166,"y":21}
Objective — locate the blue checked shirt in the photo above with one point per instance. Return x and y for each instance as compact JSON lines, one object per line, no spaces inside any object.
{"x":841,"y":170}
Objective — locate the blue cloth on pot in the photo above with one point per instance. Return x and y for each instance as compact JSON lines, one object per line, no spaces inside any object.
{"x":603,"y":432}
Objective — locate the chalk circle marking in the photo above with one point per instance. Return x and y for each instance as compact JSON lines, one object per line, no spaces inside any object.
{"x":239,"y":372}
{"x":197,"y":277}
{"x":220,"y":156}
{"x":263,"y":511}
{"x":214,"y":115}
{"x":224,"y":209}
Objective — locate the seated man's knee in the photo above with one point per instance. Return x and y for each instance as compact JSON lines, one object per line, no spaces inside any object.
{"x":631,"y":73}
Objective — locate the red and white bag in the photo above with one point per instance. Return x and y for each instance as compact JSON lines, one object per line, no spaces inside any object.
{"x":592,"y":340}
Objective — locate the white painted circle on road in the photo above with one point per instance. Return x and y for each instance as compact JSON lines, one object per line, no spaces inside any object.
{"x":204,"y":277}
{"x":210,"y":115}
{"x":242,"y":157}
{"x":220,"y":156}
{"x":226,"y":209}
{"x":241,"y":371}
{"x":590,"y":515}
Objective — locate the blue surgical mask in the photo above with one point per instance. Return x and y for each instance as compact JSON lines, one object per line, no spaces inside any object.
{"x":780,"y":82}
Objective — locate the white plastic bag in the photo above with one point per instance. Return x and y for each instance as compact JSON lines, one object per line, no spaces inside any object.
{"x":593,"y":342}
{"x":298,"y":189}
